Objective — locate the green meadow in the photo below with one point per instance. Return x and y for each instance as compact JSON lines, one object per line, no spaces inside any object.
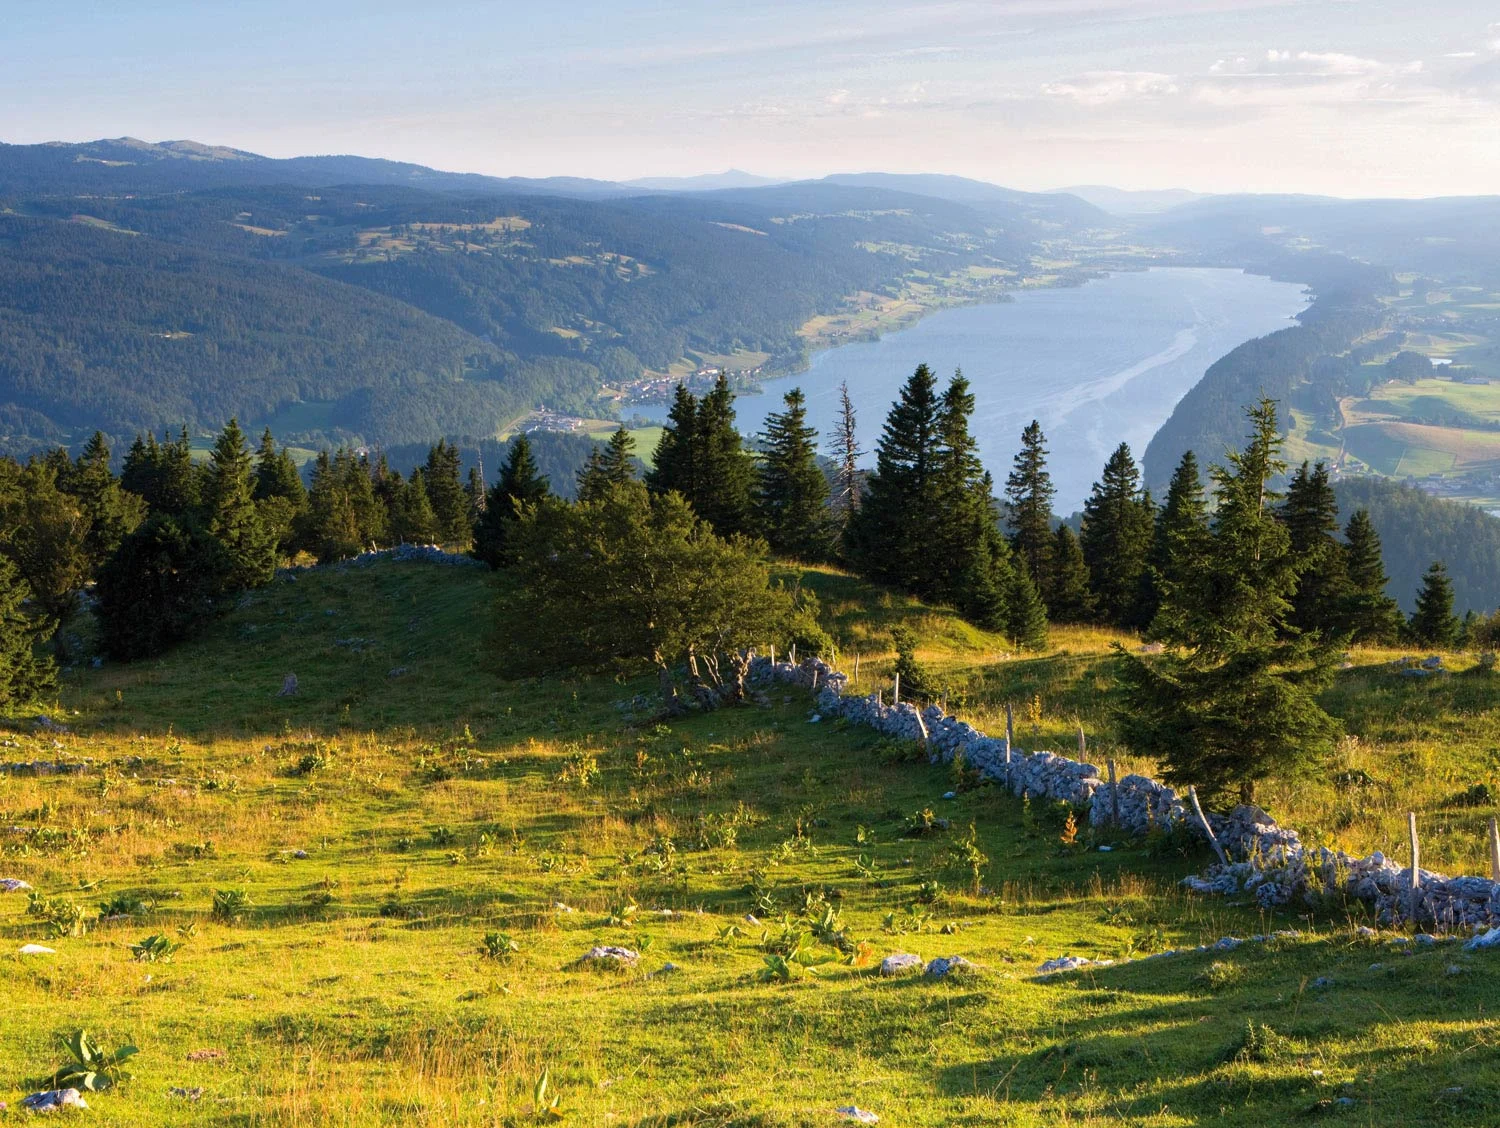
{"x":381,"y":889}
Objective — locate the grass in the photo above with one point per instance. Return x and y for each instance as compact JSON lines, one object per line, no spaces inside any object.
{"x":447,"y":803}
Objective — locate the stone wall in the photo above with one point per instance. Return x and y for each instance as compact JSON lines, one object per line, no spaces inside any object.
{"x":1266,"y":860}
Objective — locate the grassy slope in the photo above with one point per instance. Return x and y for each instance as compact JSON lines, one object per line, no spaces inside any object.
{"x":442,"y":811}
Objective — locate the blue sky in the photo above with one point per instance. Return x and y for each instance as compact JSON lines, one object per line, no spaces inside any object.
{"x":1349,"y":97}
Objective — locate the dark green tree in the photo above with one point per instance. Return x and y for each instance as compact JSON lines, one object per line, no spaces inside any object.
{"x":412,"y":518}
{"x":846,"y":454}
{"x":519,"y":489}
{"x":163,"y":473}
{"x":1433,"y":623}
{"x":608,"y":466}
{"x":675,"y":462}
{"x":888,"y":536}
{"x":167,"y":581}
{"x":231,"y":514}
{"x":1028,"y":495}
{"x":45,"y":534}
{"x":1026,"y":614}
{"x":278,"y":491}
{"x":1072,"y":600}
{"x":1179,"y":542}
{"x":112,"y":512}
{"x":1235,"y":701}
{"x":25,"y":675}
{"x":726,"y":468}
{"x":445,"y":490}
{"x":916,"y":681}
{"x":1367,"y":614}
{"x":1311,"y":513}
{"x":1116,"y":539}
{"x":791,"y":492}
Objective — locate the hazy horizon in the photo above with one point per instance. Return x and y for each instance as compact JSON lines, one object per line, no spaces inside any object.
{"x":1348,"y":98}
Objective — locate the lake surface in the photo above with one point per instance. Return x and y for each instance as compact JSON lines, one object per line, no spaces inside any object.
{"x":1095,"y":364}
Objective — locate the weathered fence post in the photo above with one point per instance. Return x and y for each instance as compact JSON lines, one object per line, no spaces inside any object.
{"x":773,"y":657}
{"x":896,"y":693}
{"x":1208,"y":830}
{"x":1416,"y":861}
{"x":1114,"y":794}
{"x":921,"y":726}
{"x":794,"y":653}
{"x":856,"y":667}
{"x":1081,"y":743}
{"x":815,"y":680}
{"x":878,"y":702}
{"x":1494,"y":851}
{"x":1010,"y":726}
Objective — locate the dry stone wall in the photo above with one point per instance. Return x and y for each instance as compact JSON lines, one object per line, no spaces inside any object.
{"x":1265,"y":860}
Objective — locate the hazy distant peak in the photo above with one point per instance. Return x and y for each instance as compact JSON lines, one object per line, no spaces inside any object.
{"x":1124,"y":201}
{"x":729,"y":178}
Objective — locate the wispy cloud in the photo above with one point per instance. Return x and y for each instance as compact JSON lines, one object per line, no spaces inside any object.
{"x":1099,"y":88}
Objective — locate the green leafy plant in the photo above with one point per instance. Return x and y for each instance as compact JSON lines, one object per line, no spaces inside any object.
{"x":545,"y":1104}
{"x":231,"y":905}
{"x":580,"y":769}
{"x":155,"y":948}
{"x":622,"y":913}
{"x":965,"y":854}
{"x":924,"y":824}
{"x":92,"y":1069}
{"x":62,"y":917}
{"x":498,"y":946}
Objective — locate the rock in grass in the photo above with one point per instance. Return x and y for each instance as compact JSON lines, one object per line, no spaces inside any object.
{"x":1490,"y":939}
{"x":54,"y":1099}
{"x":13,"y":885}
{"x":857,"y":1114}
{"x":36,"y":950}
{"x":946,"y":965}
{"x":1071,"y":963}
{"x":899,"y":964}
{"x":612,"y":955}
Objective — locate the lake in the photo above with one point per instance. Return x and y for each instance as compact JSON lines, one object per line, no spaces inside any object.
{"x":1095,"y":364}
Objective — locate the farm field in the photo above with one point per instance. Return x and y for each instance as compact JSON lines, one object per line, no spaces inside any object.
{"x":337,"y":864}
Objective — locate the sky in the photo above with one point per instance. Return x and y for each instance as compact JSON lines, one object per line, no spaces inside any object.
{"x":1343,"y":97}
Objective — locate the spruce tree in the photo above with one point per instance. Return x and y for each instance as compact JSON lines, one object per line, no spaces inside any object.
{"x":1116,"y":539}
{"x":519,"y":489}
{"x":230,"y":511}
{"x":278,"y":491}
{"x":846,"y":454}
{"x":1026,"y":614}
{"x":24,"y":675}
{"x":964,"y":524}
{"x":46,"y":536}
{"x":370,"y":513}
{"x":445,"y":490}
{"x":163,"y":474}
{"x":169,"y":578}
{"x":332,"y":527}
{"x":726,"y":469}
{"x":112,"y":512}
{"x":412,"y":518}
{"x":1179,"y":542}
{"x":1028,"y":494}
{"x":1310,"y":513}
{"x":1367,"y":614}
{"x":791,"y":492}
{"x":888,"y":537}
{"x":1072,"y":599}
{"x":608,"y":466}
{"x":675,"y":462}
{"x":1433,"y":623}
{"x":1235,"y":702}
{"x":474,"y":492}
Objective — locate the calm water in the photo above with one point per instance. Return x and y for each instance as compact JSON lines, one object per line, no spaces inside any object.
{"x":1096,"y":364}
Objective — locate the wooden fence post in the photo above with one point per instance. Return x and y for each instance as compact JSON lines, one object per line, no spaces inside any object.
{"x":1082,"y":746}
{"x":1416,"y":861}
{"x":1114,"y":794}
{"x":794,"y":653}
{"x":1208,"y":830}
{"x":1010,"y":726}
{"x":921,"y":727}
{"x":773,"y":656}
{"x":856,"y":667}
{"x":1494,"y":851}
{"x":896,"y":693}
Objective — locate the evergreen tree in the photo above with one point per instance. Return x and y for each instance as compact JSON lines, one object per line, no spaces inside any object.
{"x":889,"y":537}
{"x":24,"y":676}
{"x":1026,"y":614}
{"x":1433,"y":622}
{"x":1367,"y":614}
{"x":675,"y":463}
{"x":1117,"y":534}
{"x":412,"y":518}
{"x":519,"y":489}
{"x":1028,"y":494}
{"x":332,"y":529}
{"x":474,"y":492}
{"x":168,"y":579}
{"x":1179,"y":544}
{"x":846,"y":454}
{"x":278,"y":491}
{"x":1310,"y":513}
{"x":450,"y":506}
{"x":112,"y":512}
{"x":1237,"y":702}
{"x":231,"y":514}
{"x":372,"y":517}
{"x":163,"y":474}
{"x":45,"y":533}
{"x":608,"y":466}
{"x":726,"y":469}
{"x":965,"y":528}
{"x":791,"y":491}
{"x":1072,"y":601}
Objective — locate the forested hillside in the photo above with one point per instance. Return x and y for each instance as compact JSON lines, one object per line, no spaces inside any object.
{"x":386,"y":313}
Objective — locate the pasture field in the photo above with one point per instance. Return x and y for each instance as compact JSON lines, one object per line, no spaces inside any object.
{"x":383,"y":885}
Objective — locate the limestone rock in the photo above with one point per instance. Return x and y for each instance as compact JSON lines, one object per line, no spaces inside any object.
{"x":899,"y":964}
{"x":53,"y":1099}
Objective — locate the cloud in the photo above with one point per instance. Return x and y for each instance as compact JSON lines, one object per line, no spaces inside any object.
{"x":1099,"y":88}
{"x":1312,"y":64}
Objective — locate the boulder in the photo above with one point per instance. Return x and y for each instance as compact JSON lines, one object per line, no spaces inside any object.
{"x":53,"y":1099}
{"x":899,"y":964}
